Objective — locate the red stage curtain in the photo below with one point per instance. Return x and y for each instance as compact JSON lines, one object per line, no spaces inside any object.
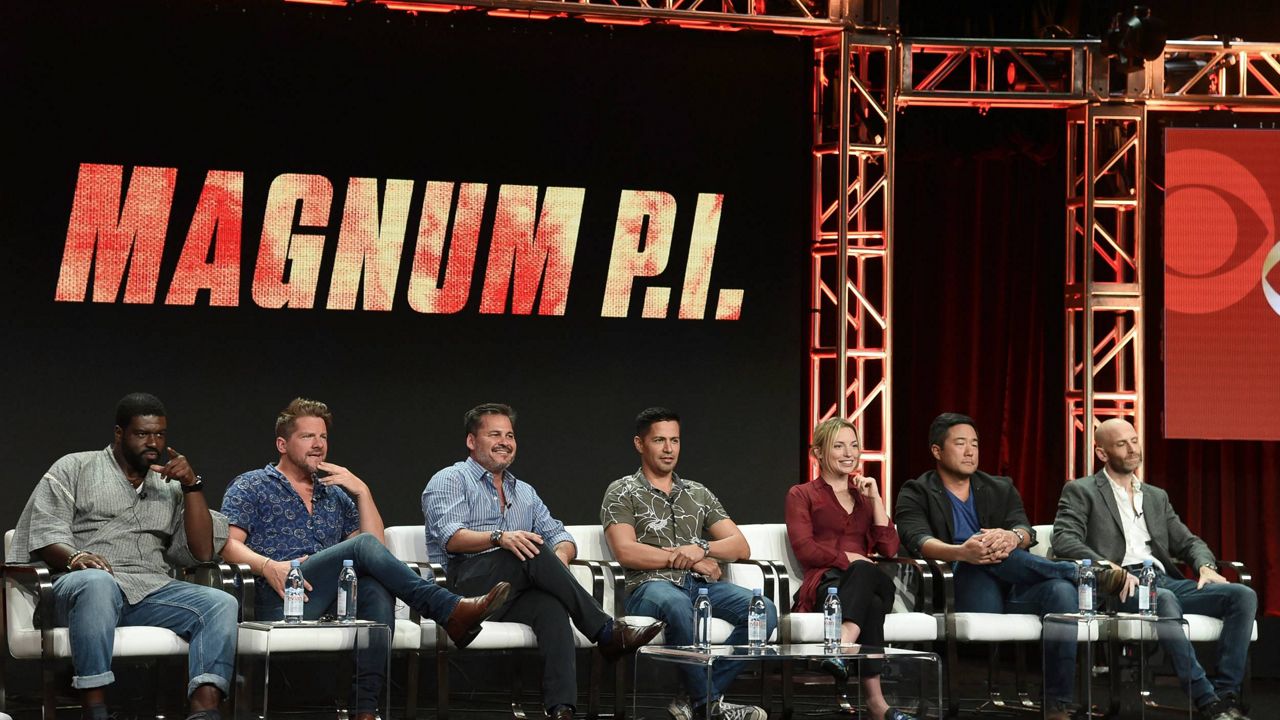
{"x":978,"y":269}
{"x":978,"y":302}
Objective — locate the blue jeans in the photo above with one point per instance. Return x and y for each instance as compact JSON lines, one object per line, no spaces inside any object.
{"x":1234,"y":603}
{"x":91,"y":605}
{"x":1027,"y":583}
{"x":673,"y":603}
{"x":380,"y":576}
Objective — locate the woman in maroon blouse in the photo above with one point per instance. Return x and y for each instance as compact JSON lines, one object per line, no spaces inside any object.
{"x":835,"y":522}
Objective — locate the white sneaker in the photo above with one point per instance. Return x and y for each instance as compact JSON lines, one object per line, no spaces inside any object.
{"x":729,"y":711}
{"x":680,"y":708}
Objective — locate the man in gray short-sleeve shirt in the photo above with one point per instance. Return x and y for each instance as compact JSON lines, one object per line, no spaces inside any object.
{"x":110,"y":523}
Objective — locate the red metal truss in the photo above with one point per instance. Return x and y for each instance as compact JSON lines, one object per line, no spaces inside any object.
{"x":852,"y":252}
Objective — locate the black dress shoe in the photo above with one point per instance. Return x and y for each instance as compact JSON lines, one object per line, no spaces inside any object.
{"x":463,"y":624}
{"x":561,"y":712}
{"x":627,"y":638}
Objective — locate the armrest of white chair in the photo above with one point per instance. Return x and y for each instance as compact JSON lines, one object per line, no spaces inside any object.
{"x":1237,"y":568}
{"x":431,"y":571}
{"x":437,"y":574}
{"x":1227,"y":568}
{"x":944,"y":593}
{"x":926,"y":577}
{"x":236,"y":579}
{"x":228,"y":577}
{"x":775,"y":583}
{"x":600,"y":574}
{"x":36,"y":579}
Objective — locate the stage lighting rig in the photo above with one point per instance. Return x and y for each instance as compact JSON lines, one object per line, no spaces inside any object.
{"x":1135,"y":39}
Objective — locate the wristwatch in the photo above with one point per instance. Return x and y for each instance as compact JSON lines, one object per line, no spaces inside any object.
{"x":1022,"y":536}
{"x":196,"y":486}
{"x":495,"y":538}
{"x":706,"y":546}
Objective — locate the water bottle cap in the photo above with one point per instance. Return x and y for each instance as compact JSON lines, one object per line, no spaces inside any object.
{"x":348,"y":563}
{"x":831,"y":591}
{"x":1146,"y":562}
{"x":702,"y":591}
{"x":1087,"y":562}
{"x":294,"y":563}
{"x":757,"y":592}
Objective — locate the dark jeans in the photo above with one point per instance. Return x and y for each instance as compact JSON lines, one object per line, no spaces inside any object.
{"x":866,"y":594}
{"x":1026,"y":583}
{"x":380,"y":576}
{"x":1235,"y":604}
{"x":544,"y":596}
{"x":673,"y":603}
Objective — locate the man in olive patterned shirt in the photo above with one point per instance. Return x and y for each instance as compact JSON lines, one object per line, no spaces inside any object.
{"x":671,"y":534}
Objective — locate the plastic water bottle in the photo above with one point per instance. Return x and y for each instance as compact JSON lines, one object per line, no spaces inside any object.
{"x":1088,"y":587}
{"x":832,"y":618}
{"x":702,"y":620}
{"x":1147,"y":588}
{"x":757,"y":619}
{"x":346,"y":606}
{"x":293,"y":593}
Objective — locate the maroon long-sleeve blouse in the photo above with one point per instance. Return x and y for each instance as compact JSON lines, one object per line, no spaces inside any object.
{"x":821,"y":532}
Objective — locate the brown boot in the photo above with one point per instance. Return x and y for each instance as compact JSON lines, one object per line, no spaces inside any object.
{"x":463,"y":624}
{"x":1111,"y":580}
{"x":628,"y":638}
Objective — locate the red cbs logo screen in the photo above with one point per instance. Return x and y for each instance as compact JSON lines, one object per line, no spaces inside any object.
{"x":1222,"y":308}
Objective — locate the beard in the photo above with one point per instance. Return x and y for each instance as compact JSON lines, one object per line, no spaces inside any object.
{"x":495,"y":465}
{"x":310,"y":463}
{"x":135,"y":459}
{"x":1124,"y":465}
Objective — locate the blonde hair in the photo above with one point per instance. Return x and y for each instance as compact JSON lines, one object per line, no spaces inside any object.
{"x":824,"y":436}
{"x":287,"y":420}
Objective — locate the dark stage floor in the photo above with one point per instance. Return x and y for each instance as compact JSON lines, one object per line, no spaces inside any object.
{"x":309,"y":690}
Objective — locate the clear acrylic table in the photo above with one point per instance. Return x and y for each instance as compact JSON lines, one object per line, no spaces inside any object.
{"x":1133,"y":698}
{"x":258,"y":640}
{"x":928,"y":664}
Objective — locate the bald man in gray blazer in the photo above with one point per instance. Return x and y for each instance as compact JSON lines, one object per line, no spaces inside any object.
{"x":1116,"y":517}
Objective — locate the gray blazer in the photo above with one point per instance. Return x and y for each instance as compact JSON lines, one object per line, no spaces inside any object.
{"x":1088,"y":526}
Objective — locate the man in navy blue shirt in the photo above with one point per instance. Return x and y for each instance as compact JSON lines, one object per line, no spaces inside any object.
{"x":303,"y":508}
{"x":961,"y":515}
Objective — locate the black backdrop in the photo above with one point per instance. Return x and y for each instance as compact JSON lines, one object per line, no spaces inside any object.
{"x":199,"y":86}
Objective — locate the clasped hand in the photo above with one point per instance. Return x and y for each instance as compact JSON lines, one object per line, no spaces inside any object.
{"x":989,"y":546}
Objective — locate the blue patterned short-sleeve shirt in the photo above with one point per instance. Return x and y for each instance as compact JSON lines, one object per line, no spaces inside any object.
{"x":266,"y":507}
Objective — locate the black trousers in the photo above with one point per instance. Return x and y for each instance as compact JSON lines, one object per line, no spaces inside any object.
{"x":544,"y":596}
{"x":866,"y":594}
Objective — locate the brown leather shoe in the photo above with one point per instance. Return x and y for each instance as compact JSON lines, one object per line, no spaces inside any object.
{"x":626,"y":638}
{"x":1111,"y":580}
{"x":463,"y":624}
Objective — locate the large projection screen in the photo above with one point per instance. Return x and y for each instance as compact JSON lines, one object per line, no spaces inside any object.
{"x":1222,"y":310}
{"x":232,"y":205}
